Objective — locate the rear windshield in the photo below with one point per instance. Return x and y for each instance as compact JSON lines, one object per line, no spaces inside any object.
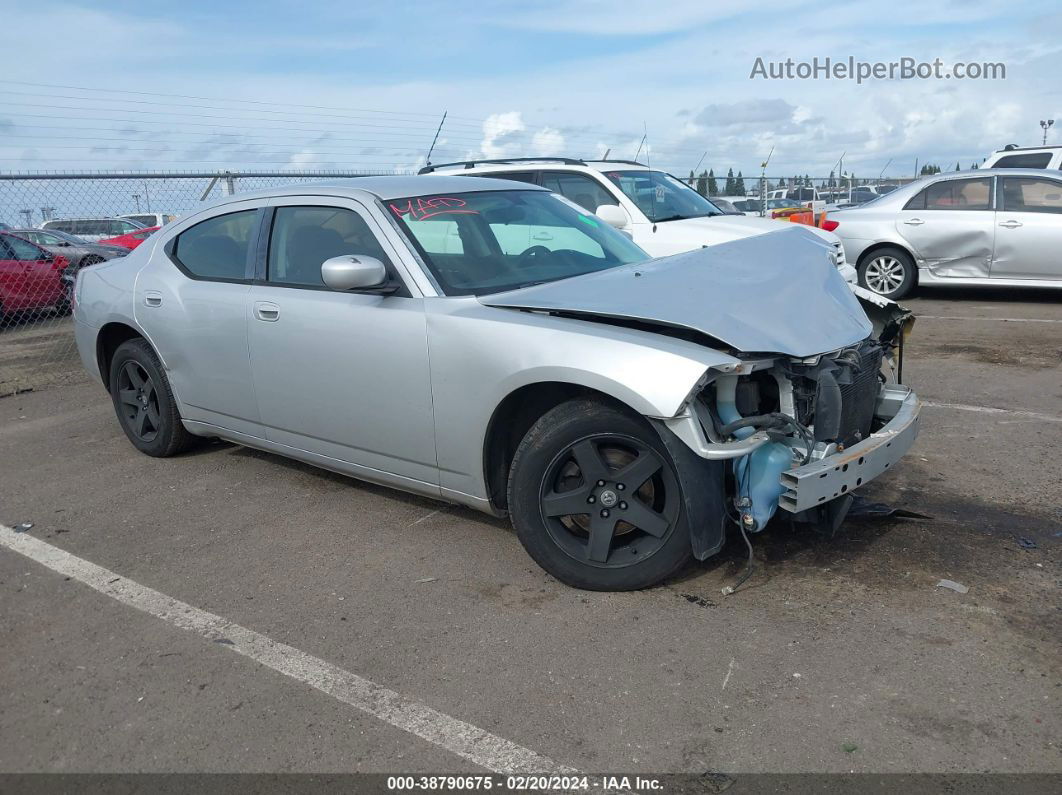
{"x":487,"y":242}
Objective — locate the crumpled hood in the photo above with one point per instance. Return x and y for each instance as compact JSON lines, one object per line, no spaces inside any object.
{"x":773,"y":293}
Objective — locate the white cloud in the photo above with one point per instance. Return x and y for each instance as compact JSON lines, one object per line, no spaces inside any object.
{"x":499,"y":131}
{"x":548,"y":141}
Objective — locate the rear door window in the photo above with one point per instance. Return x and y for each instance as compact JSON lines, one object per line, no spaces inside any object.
{"x":217,"y":248}
{"x":955,"y":194}
{"x":530,"y":177}
{"x":585,"y":191}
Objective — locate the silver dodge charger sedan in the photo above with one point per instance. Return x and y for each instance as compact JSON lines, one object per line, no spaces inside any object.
{"x":493,"y":344}
{"x":989,"y":227}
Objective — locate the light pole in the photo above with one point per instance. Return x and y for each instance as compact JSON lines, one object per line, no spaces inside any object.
{"x":136,"y":198}
{"x":1046,"y":126}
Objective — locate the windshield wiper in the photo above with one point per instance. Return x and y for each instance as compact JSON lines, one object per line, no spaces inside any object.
{"x":685,"y":217}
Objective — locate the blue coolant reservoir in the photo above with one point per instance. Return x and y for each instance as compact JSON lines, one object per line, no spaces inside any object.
{"x":758,"y":474}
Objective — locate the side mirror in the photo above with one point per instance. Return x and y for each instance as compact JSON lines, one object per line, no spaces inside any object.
{"x":612,"y":214}
{"x":63,"y":243}
{"x":353,"y":272}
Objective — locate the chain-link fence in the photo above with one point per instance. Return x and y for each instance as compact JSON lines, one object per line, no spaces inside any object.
{"x":51,"y":225}
{"x":59,"y":223}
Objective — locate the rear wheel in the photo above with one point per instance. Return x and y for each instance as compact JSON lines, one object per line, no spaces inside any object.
{"x":889,"y":272}
{"x":595,"y":499}
{"x":144,"y":401}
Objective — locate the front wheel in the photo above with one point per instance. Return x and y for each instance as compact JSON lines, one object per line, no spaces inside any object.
{"x":144,"y":402}
{"x":889,"y":272}
{"x":595,"y":499}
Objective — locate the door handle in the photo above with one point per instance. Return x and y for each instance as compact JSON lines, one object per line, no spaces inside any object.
{"x":152,"y":298}
{"x":914,"y":222}
{"x":267,"y":311}
{"x":1010,"y":224}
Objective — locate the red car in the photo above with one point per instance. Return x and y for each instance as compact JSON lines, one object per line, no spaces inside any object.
{"x":132,"y":239}
{"x":30,"y":277}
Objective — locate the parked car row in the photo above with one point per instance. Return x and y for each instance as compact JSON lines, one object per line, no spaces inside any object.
{"x":30,"y":277}
{"x":39,"y":266}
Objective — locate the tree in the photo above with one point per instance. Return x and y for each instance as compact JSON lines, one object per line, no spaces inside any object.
{"x":957,"y":166}
{"x":807,"y":181}
{"x":973,"y":166}
{"x":692,"y":180}
{"x":702,"y":183}
{"x":832,"y":182}
{"x":728,"y":190}
{"x":739,"y":185}
{"x":713,"y":188}
{"x":930,"y":168}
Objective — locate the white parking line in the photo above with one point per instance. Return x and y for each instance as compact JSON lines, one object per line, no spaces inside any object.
{"x":1034,"y":415}
{"x":1000,"y":319}
{"x":470,"y":742}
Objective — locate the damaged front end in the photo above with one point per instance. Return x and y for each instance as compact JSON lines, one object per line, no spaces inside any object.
{"x":801,"y":434}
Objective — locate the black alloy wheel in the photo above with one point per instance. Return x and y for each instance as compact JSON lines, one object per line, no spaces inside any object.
{"x":595,"y":498}
{"x":139,"y":402}
{"x":605,"y":501}
{"x":144,"y":401}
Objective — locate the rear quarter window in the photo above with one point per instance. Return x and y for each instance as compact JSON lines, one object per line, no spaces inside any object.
{"x":217,"y":248}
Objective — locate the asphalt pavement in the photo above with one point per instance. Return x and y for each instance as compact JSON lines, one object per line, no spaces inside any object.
{"x":837,"y":655}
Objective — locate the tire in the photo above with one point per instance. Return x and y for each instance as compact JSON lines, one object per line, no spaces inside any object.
{"x":889,"y":272}
{"x":143,"y":401}
{"x":634,"y":532}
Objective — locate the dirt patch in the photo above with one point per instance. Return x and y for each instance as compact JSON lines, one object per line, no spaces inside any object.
{"x":37,"y":353}
{"x":1007,"y":355}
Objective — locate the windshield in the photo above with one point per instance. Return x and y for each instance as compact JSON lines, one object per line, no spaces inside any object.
{"x":662,"y":197}
{"x":487,"y":242}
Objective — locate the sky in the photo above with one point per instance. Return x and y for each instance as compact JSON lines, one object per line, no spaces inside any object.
{"x":351,"y":85}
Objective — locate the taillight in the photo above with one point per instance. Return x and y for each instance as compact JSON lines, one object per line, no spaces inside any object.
{"x":829,"y":226}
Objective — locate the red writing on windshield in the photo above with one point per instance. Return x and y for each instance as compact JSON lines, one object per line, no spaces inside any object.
{"x":427,"y":206}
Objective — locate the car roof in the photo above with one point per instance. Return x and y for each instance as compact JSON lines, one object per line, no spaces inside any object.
{"x":1027,"y":148}
{"x":539,"y":164}
{"x":382,"y":188}
{"x":992,"y":172}
{"x":85,"y":218}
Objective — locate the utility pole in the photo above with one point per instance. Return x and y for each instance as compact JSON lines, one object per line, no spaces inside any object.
{"x":1046,"y":124}
{"x":763,"y":184}
{"x":46,"y":213}
{"x":136,"y":198}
